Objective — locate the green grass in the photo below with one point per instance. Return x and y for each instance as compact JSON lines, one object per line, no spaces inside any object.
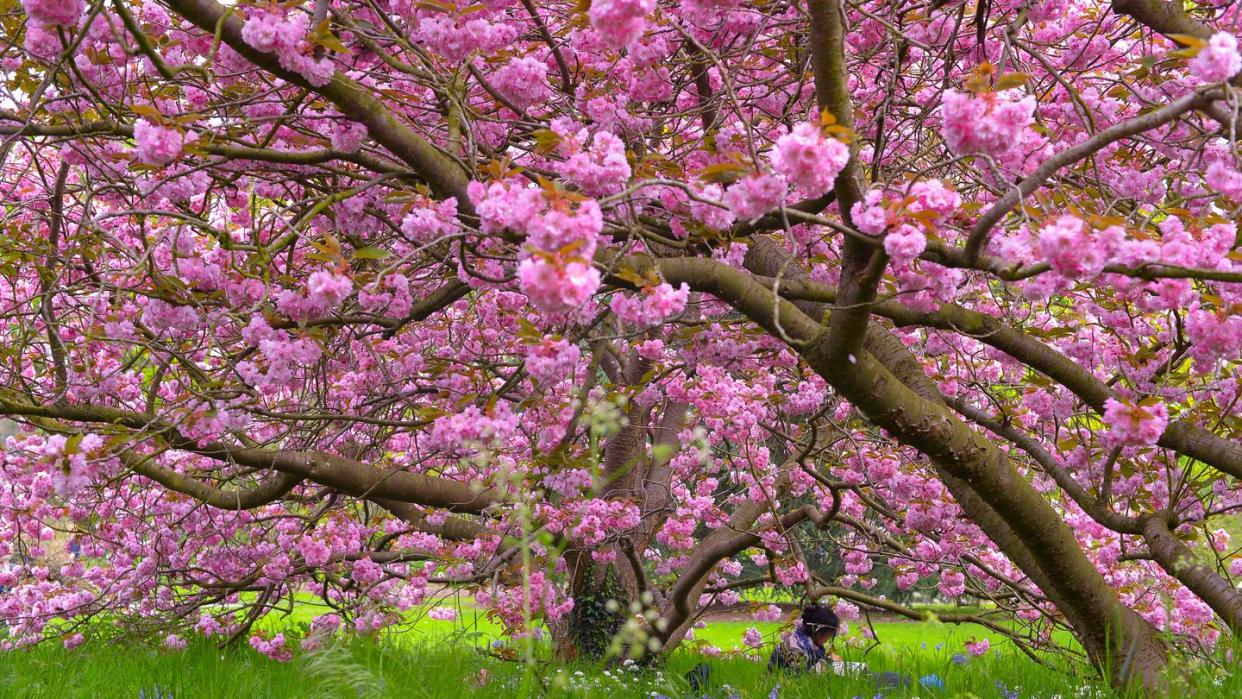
{"x":369,"y":668}
{"x":429,"y":658}
{"x":727,"y":635}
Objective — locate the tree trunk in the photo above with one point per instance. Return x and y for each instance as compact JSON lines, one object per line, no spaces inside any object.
{"x":888,"y":385}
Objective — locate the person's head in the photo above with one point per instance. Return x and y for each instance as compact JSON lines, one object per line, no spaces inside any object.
{"x":821,"y":623}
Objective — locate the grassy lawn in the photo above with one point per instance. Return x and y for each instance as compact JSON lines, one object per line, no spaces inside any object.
{"x":471,"y":625}
{"x":430,"y":658}
{"x":367,"y":668}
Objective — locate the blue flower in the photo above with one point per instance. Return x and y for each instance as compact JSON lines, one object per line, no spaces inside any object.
{"x":1005,"y":691}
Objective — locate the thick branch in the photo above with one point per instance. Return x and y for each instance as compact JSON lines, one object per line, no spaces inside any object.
{"x":354,"y":101}
{"x":1130,"y":127}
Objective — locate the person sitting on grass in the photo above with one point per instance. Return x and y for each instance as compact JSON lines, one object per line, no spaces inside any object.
{"x":804,"y":648}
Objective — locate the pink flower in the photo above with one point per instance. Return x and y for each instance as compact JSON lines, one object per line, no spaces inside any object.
{"x":905,"y":244}
{"x":347,"y":136}
{"x":41,"y":41}
{"x":1225,"y":180}
{"x":156,"y":144}
{"x":327,"y":289}
{"x":978,"y":648}
{"x":1214,"y":334}
{"x":991,"y":123}
{"x":808,"y":159}
{"x":48,"y":12}
{"x":523,"y":81}
{"x":551,"y":360}
{"x":952,"y":583}
{"x":454,"y":41}
{"x":569,"y":231}
{"x":1218,"y":61}
{"x":620,"y":22}
{"x":1072,"y":249}
{"x":285,"y":36}
{"x":443,"y":613}
{"x":366,"y":571}
{"x":711,"y":215}
{"x":314,"y":553}
{"x":174,"y":642}
{"x":768,"y":613}
{"x":652,"y":306}
{"x":753,"y":638}
{"x":426,"y":223}
{"x":556,"y":285}
{"x":274,"y":649}
{"x":753,"y":196}
{"x":601,"y":169}
{"x":1131,"y":424}
{"x":932,"y":195}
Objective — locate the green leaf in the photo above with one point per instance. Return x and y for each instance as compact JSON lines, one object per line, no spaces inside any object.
{"x":723,"y":172}
{"x":1010,"y":80}
{"x":149,"y":111}
{"x":371,"y":253}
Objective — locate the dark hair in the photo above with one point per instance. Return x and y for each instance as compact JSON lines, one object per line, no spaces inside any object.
{"x":816,"y":619}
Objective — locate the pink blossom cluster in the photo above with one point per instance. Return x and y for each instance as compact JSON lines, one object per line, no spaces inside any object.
{"x":902,"y":215}
{"x":651,"y":305}
{"x":705,"y":208}
{"x":770,"y":613}
{"x":754,"y":195}
{"x":53,"y":12}
{"x":555,"y":271}
{"x":905,"y":243}
{"x":428,"y":221}
{"x":1218,"y":61}
{"x":1074,"y":250}
{"x":1215,"y":334}
{"x":325,"y":290}
{"x":551,"y":360}
{"x":752,"y":638}
{"x":273,"y":648}
{"x":809,"y":159}
{"x":620,"y":22}
{"x":347,"y":136}
{"x":791,"y":573}
{"x":389,"y":296}
{"x":473,"y":427}
{"x":929,"y":201}
{"x":286,"y":36}
{"x":556,"y":284}
{"x":539,"y":596}
{"x":1134,"y":424}
{"x":569,"y":482}
{"x":1224,"y":179}
{"x":593,"y":521}
{"x":282,"y":354}
{"x":158,"y":144}
{"x":952,"y":583}
{"x":978,"y":648}
{"x":600,"y":168}
{"x":454,"y":40}
{"x":523,"y":82}
{"x":992,"y":123}
{"x":442,"y":613}
{"x":42,"y":41}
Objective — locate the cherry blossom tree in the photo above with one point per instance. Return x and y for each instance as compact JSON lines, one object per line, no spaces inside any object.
{"x":578,"y":306}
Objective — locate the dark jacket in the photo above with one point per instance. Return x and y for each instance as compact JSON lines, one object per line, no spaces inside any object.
{"x":797,"y":651}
